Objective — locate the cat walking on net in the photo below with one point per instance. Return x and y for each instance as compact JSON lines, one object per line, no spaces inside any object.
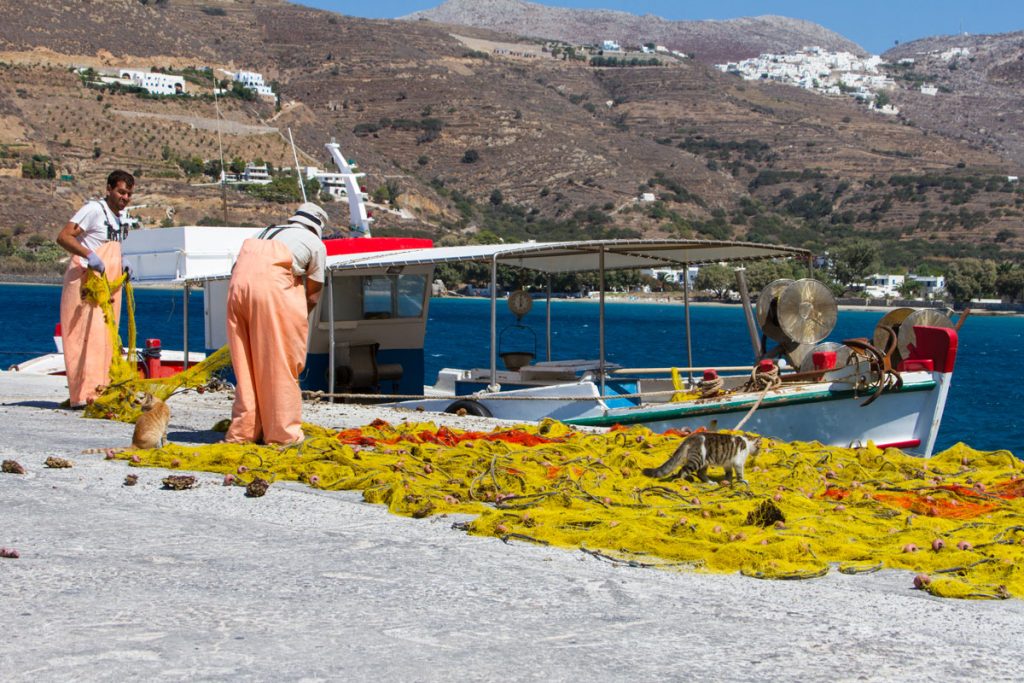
{"x":699,"y":451}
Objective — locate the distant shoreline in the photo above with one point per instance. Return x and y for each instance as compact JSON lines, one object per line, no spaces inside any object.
{"x":8,"y":279}
{"x":677,"y":301}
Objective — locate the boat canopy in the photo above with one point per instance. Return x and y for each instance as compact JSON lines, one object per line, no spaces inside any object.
{"x":577,"y":256}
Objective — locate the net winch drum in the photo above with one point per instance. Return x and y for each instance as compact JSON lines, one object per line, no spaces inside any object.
{"x":797,"y":314}
{"x":519,"y":303}
{"x":807,"y":311}
{"x":767,"y":305}
{"x":902,"y":322}
{"x":893,"y":319}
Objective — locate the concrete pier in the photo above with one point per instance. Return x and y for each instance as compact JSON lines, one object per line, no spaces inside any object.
{"x":127,"y":583}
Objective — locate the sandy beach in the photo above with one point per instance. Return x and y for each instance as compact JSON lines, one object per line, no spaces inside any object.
{"x":118,"y":582}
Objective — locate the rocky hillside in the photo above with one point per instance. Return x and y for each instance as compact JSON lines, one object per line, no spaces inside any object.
{"x":474,"y":135}
{"x":708,"y":41}
{"x":980,"y":82}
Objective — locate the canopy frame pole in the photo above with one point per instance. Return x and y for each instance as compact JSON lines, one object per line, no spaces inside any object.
{"x":686,"y":314}
{"x":741,"y":281}
{"x":494,"y":323}
{"x":600,"y":326}
{"x":184,"y":326}
{"x":330,"y":333}
{"x":548,"y":314}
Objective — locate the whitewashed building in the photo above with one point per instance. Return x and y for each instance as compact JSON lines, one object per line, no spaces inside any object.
{"x":254,"y":81}
{"x":154,"y":83}
{"x":256,"y":175}
{"x":673,"y":275}
{"x":813,"y":68}
{"x":880,"y":286}
{"x":931,"y":285}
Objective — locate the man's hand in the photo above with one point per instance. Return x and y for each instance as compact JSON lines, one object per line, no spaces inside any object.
{"x":96,"y":263}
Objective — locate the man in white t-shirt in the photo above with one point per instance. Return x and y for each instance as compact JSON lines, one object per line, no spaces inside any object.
{"x":275,"y":284}
{"x":93,"y":237}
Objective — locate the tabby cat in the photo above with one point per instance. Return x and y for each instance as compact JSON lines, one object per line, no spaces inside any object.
{"x":698,"y":451}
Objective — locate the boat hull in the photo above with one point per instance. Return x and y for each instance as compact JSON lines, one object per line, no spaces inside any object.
{"x":831,"y":413}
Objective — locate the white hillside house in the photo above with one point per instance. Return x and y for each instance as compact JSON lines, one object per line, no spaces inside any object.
{"x":254,"y":81}
{"x":154,"y":83}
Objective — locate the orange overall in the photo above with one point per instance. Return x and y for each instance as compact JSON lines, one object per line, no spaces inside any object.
{"x":267,"y":328}
{"x":87,"y":344}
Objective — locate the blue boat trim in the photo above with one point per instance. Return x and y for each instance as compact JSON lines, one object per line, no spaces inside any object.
{"x":687,"y":410}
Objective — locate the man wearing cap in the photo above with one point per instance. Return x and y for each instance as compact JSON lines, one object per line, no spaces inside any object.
{"x":93,"y":238}
{"x":275,"y":284}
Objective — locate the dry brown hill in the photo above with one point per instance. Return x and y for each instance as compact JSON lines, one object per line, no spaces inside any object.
{"x":708,"y":41}
{"x":981,"y":88}
{"x":482,"y":133}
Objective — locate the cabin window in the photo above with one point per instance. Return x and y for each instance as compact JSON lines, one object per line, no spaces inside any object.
{"x":393,"y":296}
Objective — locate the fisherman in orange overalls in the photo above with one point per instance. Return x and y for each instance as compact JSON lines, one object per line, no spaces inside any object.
{"x":93,"y":237}
{"x":274,"y":286}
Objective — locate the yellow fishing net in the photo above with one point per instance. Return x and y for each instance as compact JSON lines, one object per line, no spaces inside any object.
{"x":956,"y":517}
{"x":120,"y":399}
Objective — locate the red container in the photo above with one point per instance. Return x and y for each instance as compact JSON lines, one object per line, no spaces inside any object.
{"x":824,"y":360}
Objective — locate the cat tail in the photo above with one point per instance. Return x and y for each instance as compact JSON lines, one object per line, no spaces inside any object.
{"x":670,"y":465}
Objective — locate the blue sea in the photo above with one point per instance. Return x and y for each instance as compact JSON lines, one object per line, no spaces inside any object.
{"x":984,"y":408}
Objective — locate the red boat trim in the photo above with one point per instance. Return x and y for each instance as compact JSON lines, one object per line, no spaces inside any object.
{"x":912,"y":443}
{"x":336,"y":247}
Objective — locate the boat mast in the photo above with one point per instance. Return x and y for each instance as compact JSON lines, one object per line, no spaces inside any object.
{"x":330,"y":334}
{"x":741,"y":280}
{"x":686,"y":314}
{"x":548,"y":312}
{"x":185,"y":325}
{"x":494,"y":322}
{"x":600,"y":325}
{"x":359,"y":220}
{"x":298,"y":175}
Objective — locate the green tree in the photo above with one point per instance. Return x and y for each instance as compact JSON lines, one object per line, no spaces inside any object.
{"x":192,"y":166}
{"x":212,"y":168}
{"x":853,"y":260}
{"x":971,"y":278}
{"x":1010,"y":281}
{"x":910,"y":289}
{"x":762,"y":273}
{"x":716,"y":278}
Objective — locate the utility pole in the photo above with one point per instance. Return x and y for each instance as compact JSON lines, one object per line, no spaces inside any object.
{"x":220,"y":147}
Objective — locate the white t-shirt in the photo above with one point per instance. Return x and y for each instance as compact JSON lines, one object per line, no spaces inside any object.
{"x":93,"y":218}
{"x":309,"y":255}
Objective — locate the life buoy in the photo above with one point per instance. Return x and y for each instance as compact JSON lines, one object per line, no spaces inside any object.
{"x":469,"y":408}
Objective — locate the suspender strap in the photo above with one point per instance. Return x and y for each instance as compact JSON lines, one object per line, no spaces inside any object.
{"x":117,"y":234}
{"x":271,"y":231}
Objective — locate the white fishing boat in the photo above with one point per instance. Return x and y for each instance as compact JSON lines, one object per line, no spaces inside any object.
{"x":890,"y":390}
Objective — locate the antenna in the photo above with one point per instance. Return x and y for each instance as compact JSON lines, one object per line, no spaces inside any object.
{"x":298,"y":175}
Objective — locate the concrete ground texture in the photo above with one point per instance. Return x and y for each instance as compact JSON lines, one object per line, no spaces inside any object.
{"x":127,"y":583}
